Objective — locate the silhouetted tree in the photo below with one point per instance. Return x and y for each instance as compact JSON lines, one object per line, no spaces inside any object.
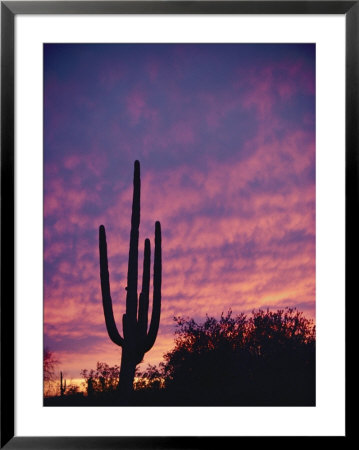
{"x":136,"y":340}
{"x":50,"y":363}
{"x":49,"y":376}
{"x":90,"y":389}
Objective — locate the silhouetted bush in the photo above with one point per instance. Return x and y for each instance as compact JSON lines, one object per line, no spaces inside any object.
{"x":103,"y":379}
{"x":267,"y":359}
{"x":150,"y":379}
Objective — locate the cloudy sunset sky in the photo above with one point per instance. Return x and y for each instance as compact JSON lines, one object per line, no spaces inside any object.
{"x":225,"y":135}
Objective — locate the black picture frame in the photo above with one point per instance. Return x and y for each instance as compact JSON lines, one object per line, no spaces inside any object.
{"x":9,"y":9}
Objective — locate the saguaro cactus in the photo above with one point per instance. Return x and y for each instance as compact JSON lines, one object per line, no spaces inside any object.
{"x":136,"y":340}
{"x":62,"y":385}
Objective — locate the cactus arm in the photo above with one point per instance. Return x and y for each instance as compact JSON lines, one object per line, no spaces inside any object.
{"x":132,"y":273}
{"x":142,"y":321}
{"x":106,"y":293}
{"x":145,"y":293}
{"x":157,"y":281}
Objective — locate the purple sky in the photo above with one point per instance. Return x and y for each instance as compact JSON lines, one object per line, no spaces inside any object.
{"x":225,"y":135}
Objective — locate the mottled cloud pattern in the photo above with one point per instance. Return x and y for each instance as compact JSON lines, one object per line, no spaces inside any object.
{"x":225,"y":135}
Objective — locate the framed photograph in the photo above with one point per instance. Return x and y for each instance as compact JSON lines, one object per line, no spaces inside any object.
{"x":176,"y":182}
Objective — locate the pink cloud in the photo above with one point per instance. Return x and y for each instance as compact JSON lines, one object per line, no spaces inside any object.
{"x":182,"y":133}
{"x":138,"y":107}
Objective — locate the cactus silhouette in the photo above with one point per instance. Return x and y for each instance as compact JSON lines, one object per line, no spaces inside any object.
{"x":62,"y":385}
{"x":136,"y":340}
